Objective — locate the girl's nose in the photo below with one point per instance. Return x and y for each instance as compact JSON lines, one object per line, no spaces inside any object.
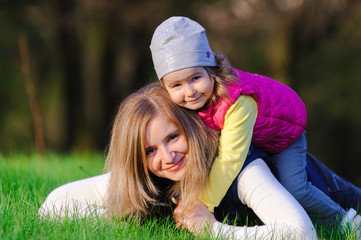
{"x":189,"y":90}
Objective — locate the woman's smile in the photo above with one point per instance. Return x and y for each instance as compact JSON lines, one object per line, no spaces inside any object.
{"x":176,"y":166}
{"x":166,"y":148}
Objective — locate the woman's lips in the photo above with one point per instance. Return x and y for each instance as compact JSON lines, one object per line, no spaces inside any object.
{"x":175,"y":166}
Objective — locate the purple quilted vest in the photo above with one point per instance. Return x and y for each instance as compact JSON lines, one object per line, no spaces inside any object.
{"x":281,"y":115}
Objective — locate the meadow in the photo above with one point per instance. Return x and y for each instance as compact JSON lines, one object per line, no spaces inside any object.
{"x":26,"y":180}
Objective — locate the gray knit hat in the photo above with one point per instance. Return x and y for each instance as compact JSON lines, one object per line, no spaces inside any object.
{"x":178,"y":43}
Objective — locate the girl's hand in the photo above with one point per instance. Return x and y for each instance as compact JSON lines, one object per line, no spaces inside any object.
{"x":196,"y":220}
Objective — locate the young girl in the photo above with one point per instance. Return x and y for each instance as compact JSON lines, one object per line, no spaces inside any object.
{"x":245,"y":107}
{"x":157,"y":147}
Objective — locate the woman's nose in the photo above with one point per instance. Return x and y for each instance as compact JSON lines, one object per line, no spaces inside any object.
{"x":167,"y":156}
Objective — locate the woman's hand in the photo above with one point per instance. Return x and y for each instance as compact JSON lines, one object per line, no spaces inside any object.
{"x":196,"y":220}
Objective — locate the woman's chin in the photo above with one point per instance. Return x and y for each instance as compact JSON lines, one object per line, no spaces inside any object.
{"x":177,"y":176}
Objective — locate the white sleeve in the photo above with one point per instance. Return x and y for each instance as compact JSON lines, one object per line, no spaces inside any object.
{"x":81,"y":198}
{"x":283,"y":216}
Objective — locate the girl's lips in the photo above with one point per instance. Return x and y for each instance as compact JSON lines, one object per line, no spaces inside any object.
{"x":175,"y":166}
{"x":194,"y":100}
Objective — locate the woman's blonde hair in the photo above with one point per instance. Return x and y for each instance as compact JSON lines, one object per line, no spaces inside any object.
{"x":133,"y":190}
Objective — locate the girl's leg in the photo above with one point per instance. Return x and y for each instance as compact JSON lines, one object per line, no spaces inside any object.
{"x":80,"y":198}
{"x":341,"y":191}
{"x":290,"y":169}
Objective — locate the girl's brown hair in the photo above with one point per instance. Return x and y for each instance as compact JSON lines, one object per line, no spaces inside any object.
{"x":222,"y":75}
{"x":132,"y":189}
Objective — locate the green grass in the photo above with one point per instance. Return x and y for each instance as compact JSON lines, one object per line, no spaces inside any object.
{"x":27,"y":180}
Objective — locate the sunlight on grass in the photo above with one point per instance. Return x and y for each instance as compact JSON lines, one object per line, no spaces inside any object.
{"x":27,"y":180}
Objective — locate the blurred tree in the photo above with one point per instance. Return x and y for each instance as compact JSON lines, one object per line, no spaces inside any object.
{"x":31,"y":95}
{"x":327,"y":54}
{"x":88,"y":55}
{"x":312,"y":46}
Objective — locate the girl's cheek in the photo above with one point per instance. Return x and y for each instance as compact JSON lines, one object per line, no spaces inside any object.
{"x":176,"y":98}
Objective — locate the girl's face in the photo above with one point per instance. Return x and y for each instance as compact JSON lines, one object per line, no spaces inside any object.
{"x":166,"y":148}
{"x":190,"y":87}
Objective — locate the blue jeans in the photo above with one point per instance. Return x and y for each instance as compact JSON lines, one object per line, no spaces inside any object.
{"x":339,"y":189}
{"x":290,"y":170}
{"x":320,"y":180}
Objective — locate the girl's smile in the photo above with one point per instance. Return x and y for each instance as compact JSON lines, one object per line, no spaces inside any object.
{"x":190,"y":87}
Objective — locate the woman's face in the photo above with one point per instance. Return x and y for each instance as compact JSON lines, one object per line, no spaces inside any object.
{"x":166,"y":148}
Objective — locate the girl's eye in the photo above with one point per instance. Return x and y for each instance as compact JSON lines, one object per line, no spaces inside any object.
{"x":195,"y":78}
{"x":176,"y":85}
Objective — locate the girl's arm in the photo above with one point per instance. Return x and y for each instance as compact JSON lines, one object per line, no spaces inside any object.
{"x":80,"y":198}
{"x":233,"y":148}
{"x":282,"y":215}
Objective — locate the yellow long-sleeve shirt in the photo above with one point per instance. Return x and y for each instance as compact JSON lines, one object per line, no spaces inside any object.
{"x":234,"y":144}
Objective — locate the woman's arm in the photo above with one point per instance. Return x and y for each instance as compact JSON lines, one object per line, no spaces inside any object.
{"x":80,"y":198}
{"x":283,"y":216}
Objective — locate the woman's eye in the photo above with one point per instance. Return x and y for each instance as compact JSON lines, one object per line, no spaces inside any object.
{"x":173,"y":136}
{"x":149,"y":151}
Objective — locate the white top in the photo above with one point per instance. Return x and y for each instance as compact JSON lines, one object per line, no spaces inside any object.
{"x":283,"y":216}
{"x":81,"y":198}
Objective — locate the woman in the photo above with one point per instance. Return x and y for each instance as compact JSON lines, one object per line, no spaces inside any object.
{"x":149,"y":144}
{"x":128,"y":153}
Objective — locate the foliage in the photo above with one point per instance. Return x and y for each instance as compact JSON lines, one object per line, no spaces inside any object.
{"x":27,"y":180}
{"x":86,"y":56}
